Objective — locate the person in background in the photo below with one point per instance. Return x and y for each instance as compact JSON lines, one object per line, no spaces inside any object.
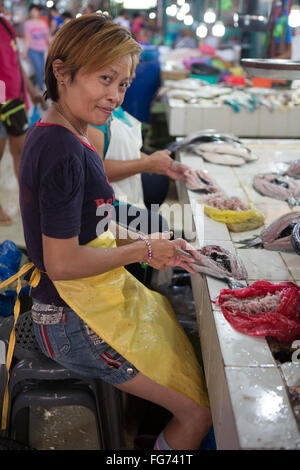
{"x":55,"y":21}
{"x":140,"y":181}
{"x":138,"y":21}
{"x":185,"y":39}
{"x":37,"y":38}
{"x":123,"y":19}
{"x":89,"y":10}
{"x":16,"y":85}
{"x":62,"y":186}
{"x":66,"y":16}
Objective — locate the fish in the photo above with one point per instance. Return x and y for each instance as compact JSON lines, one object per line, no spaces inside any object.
{"x":198,"y":180}
{"x":296,"y":238}
{"x":219,"y":263}
{"x":221,"y":201}
{"x":219,"y":158}
{"x":276,"y":186}
{"x":221,"y":149}
{"x":294,"y":169}
{"x":277,"y":236}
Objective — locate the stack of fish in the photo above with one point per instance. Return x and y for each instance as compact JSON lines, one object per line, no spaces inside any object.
{"x":220,"y":149}
{"x":279,"y":235}
{"x":277,"y":186}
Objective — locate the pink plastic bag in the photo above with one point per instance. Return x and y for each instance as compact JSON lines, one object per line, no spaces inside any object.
{"x":263,"y":309}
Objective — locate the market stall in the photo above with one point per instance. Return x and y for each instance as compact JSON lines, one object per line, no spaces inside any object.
{"x":253,"y":383}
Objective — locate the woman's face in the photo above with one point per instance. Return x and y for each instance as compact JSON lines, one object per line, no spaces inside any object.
{"x":92,"y":97}
{"x":34,"y":13}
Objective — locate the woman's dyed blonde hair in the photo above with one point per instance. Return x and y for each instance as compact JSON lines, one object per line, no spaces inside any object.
{"x":90,"y":42}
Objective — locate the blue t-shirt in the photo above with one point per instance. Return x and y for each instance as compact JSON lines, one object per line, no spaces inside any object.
{"x":62,"y":184}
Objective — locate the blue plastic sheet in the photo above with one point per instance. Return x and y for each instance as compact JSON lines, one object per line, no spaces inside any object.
{"x":10,"y":258}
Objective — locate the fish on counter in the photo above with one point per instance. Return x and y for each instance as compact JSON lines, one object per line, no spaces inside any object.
{"x":220,"y":149}
{"x":277,"y":186}
{"x":294,"y":169}
{"x":296,"y":238}
{"x":198,"y":180}
{"x":277,"y":236}
{"x":219,"y":263}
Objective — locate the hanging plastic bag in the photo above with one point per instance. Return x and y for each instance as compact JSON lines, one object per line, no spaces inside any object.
{"x":236,"y":221}
{"x":10,"y":257}
{"x":263,"y":309}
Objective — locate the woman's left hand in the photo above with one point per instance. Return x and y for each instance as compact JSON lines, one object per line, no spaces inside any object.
{"x":182,"y":261}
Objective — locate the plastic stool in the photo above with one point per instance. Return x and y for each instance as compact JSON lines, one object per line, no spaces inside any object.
{"x":38,"y":379}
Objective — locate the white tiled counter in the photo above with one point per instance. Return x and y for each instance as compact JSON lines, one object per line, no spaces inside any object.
{"x":184,"y":118}
{"x":247,"y":387}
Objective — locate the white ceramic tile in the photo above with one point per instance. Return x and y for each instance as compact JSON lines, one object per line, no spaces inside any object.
{"x":262,"y":411}
{"x":272,"y":124}
{"x":292,"y":261}
{"x":291,"y":370}
{"x":236,"y":237}
{"x":264,"y":265}
{"x":239,"y":349}
{"x":245,"y":123}
{"x":273,"y":211}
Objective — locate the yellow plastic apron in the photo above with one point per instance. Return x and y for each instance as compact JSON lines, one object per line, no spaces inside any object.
{"x":137,"y":322}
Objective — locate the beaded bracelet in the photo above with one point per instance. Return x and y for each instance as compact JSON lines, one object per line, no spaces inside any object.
{"x":144,"y":265}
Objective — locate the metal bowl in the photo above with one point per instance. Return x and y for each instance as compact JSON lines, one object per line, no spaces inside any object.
{"x":272,"y":68}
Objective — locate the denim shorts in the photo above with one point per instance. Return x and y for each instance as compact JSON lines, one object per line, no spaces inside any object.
{"x":64,"y":337}
{"x":3,"y":131}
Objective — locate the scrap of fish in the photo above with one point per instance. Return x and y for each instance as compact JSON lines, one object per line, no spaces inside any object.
{"x":223,"y":202}
{"x":277,"y":236}
{"x":276,"y":186}
{"x":217,"y":262}
{"x":220,"y":149}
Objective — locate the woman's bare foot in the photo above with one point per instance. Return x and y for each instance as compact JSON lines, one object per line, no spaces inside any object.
{"x":4,"y":218}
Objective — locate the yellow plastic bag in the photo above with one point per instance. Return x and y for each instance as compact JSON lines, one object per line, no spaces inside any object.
{"x":236,"y":221}
{"x":138,"y":323}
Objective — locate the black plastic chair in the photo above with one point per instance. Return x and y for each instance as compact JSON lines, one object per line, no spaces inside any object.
{"x":36,"y":380}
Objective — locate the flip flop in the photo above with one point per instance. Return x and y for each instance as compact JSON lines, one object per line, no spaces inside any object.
{"x":4,"y":218}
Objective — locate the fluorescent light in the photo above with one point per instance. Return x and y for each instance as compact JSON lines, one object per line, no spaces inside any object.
{"x":171,"y":10}
{"x":188,"y":20}
{"x":180,"y":2}
{"x":140,"y":4}
{"x":209,"y":16}
{"x":185,"y":8}
{"x":201,"y":31}
{"x":294,"y":16}
{"x":218,"y":29}
{"x":152,"y":15}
